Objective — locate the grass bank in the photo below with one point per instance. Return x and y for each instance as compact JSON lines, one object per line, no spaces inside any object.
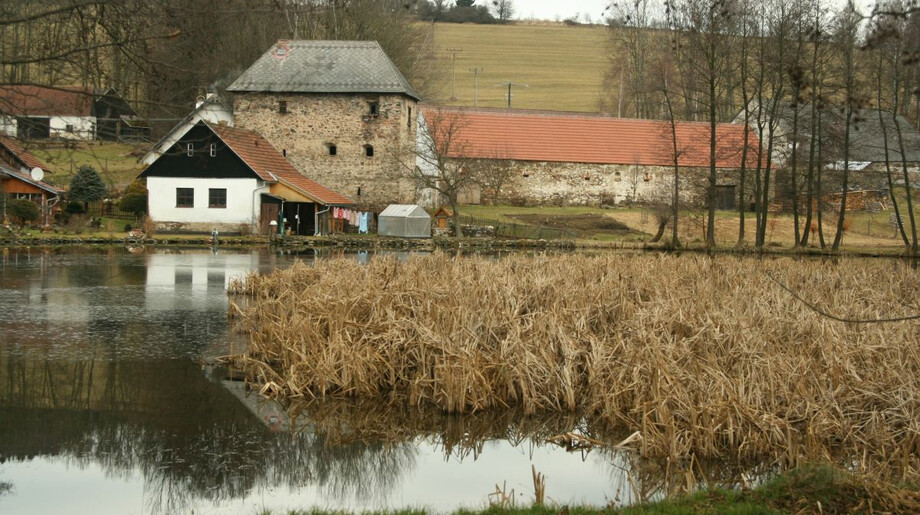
{"x":706,"y":358}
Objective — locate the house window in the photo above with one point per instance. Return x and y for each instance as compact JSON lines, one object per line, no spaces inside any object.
{"x":190,"y":149}
{"x":409,"y":121}
{"x":330,"y":147}
{"x":617,"y":176}
{"x":217,"y":197}
{"x":213,"y":149}
{"x":373,"y":109}
{"x":69,"y":128}
{"x":282,"y":106}
{"x":185,"y":197}
{"x":369,"y":150}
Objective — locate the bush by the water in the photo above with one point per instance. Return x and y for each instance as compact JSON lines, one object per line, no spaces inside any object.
{"x":706,"y":358}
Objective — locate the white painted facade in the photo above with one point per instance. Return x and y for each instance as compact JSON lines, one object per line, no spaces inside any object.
{"x":72,"y":127}
{"x":8,"y":126}
{"x":62,"y":127}
{"x":424,"y":162}
{"x":243,"y":201}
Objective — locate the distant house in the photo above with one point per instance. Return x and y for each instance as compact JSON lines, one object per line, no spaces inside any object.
{"x":212,"y":109}
{"x":230,"y":179}
{"x":585,"y":159}
{"x":21,"y":175}
{"x":867,"y":144}
{"x":339,"y":110}
{"x":76,"y":113}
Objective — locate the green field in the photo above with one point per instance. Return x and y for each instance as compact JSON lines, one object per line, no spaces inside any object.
{"x":562,"y":66}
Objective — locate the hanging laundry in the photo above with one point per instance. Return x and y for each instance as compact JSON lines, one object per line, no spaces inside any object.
{"x":362,"y":222}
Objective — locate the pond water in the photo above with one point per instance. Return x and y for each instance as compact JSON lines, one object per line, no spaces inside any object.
{"x":108,"y":405}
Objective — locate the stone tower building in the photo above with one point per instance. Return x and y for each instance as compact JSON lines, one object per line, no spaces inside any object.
{"x":340,"y":111}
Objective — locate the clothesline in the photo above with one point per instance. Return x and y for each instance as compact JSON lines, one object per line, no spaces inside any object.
{"x":356,"y":218}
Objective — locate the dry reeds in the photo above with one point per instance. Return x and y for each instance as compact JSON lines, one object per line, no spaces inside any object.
{"x":706,"y":358}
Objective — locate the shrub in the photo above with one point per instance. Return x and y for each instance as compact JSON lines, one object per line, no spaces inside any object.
{"x":134,"y":200}
{"x":74,"y":208}
{"x":23,"y":211}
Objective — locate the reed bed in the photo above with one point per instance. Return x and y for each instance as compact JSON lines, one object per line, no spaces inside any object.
{"x":708,"y":358}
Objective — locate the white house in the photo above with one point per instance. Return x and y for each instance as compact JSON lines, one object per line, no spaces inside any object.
{"x":212,"y":109}
{"x":67,"y":112}
{"x":233,"y":180}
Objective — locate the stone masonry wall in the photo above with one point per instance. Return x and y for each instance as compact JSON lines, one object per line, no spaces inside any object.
{"x":546,"y":183}
{"x":313,"y":122}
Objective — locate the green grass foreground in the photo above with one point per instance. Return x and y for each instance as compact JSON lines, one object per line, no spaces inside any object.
{"x":808,"y":489}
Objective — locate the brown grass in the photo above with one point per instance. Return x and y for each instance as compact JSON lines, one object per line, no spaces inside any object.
{"x":706,"y":358}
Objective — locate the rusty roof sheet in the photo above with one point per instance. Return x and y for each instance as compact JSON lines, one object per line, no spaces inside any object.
{"x":22,"y":100}
{"x":271,"y":166}
{"x":584,"y":138}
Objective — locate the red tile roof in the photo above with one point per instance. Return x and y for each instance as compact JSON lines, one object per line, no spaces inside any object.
{"x":46,"y":101}
{"x":271,"y":166}
{"x":27,"y":158}
{"x":584,"y":138}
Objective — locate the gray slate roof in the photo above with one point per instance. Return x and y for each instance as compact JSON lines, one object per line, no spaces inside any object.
{"x":867,"y":139}
{"x":298,"y":66}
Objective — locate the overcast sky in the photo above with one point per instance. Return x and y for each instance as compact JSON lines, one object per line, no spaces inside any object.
{"x":561,"y":9}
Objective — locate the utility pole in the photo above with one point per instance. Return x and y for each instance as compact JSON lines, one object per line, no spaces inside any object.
{"x":509,"y":85}
{"x":453,"y":73}
{"x":475,"y":85}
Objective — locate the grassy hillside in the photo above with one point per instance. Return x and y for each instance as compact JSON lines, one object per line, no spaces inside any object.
{"x":563,"y":66}
{"x":117,"y":163}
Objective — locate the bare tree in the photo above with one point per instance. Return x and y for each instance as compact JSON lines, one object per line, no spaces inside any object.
{"x":888,"y":40}
{"x":441,"y":158}
{"x":494,"y":175}
{"x":846,"y":42}
{"x":503,"y":10}
{"x":630,"y":44}
{"x":707,"y":51}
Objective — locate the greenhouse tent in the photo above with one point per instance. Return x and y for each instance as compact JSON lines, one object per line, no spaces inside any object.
{"x":404,"y":221}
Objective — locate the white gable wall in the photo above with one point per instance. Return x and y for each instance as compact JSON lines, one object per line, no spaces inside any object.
{"x":243,"y":201}
{"x":215,"y":113}
{"x":84,"y":127}
{"x":8,"y":125}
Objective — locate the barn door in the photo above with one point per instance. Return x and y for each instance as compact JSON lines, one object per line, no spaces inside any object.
{"x":725,"y":197}
{"x":269,"y":213}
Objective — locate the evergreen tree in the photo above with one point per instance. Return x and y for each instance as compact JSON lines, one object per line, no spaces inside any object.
{"x":86,"y":186}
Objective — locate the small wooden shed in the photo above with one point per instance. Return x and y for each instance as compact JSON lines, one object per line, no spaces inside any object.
{"x":442,"y":217}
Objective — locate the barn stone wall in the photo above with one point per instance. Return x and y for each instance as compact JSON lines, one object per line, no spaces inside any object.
{"x":314,"y":122}
{"x":562,"y":184}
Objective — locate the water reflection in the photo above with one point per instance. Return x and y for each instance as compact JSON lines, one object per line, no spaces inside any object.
{"x":105,"y":393}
